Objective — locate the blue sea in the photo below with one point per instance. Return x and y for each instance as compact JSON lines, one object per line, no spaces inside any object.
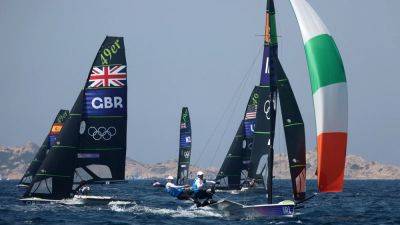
{"x":362,"y":202}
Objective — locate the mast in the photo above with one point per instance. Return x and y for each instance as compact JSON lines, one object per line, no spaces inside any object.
{"x":185,"y":146}
{"x":270,"y":44}
{"x":262,"y":155}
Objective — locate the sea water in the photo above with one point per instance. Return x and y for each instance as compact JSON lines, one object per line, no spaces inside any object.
{"x":362,"y":202}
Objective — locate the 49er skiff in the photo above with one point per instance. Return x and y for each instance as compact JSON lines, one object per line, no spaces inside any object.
{"x":91,"y":147}
{"x":328,"y":83}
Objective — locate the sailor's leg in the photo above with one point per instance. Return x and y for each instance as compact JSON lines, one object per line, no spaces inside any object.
{"x":196,"y":199}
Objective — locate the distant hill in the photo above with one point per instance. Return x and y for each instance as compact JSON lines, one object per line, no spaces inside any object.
{"x":14,"y":161}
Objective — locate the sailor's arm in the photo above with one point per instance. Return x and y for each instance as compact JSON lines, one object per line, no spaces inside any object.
{"x":176,"y":186}
{"x":210,"y":182}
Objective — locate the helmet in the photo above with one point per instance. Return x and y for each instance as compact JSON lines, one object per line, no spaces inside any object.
{"x":169,"y":177}
{"x":200,"y":173}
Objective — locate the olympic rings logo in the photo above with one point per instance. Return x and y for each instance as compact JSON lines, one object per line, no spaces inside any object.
{"x":102,"y":133}
{"x":186,"y":154}
{"x":267,"y":109}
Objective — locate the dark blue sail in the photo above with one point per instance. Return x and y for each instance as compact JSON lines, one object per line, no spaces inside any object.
{"x":185,"y":145}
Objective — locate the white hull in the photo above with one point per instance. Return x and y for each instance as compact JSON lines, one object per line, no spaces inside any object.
{"x":234,"y":209}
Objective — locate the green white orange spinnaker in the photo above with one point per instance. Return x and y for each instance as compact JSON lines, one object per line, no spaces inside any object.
{"x":329,"y":88}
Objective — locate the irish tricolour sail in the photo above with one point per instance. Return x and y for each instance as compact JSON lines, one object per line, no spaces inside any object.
{"x":329,"y":88}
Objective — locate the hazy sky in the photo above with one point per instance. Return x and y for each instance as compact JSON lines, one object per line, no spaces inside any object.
{"x":195,"y":54}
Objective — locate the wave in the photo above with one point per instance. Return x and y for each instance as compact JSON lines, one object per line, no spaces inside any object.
{"x":190,"y":212}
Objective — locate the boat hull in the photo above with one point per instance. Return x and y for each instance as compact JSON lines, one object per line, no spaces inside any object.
{"x":234,"y":209}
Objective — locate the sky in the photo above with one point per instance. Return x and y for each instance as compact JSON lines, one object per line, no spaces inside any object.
{"x":201,"y":54}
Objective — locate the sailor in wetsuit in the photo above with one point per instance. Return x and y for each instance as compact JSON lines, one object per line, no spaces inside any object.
{"x":180,"y":192}
{"x":200,"y":190}
{"x":84,"y":189}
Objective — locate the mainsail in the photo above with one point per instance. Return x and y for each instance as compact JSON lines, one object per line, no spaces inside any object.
{"x":185,"y":145}
{"x":48,"y":142}
{"x":234,"y":169}
{"x":262,"y":155}
{"x":329,"y":88}
{"x":229,"y":175}
{"x":249,"y":123}
{"x":92,"y":145}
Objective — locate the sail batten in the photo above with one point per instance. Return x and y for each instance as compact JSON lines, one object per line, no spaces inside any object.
{"x":329,"y":88}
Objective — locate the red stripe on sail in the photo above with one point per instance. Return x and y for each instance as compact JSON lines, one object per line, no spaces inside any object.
{"x":331,"y":161}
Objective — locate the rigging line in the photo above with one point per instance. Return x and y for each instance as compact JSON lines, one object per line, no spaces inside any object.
{"x":227,"y":107}
{"x":240,"y":91}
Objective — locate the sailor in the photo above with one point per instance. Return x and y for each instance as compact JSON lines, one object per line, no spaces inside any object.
{"x":249,"y":183}
{"x":200,"y":190}
{"x":158,"y":184}
{"x":252,"y":183}
{"x":84,"y":188}
{"x":180,"y":192}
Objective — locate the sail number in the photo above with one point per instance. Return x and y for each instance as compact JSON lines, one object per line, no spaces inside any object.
{"x":107,"y":53}
{"x":254,"y":99}
{"x":62,"y":117}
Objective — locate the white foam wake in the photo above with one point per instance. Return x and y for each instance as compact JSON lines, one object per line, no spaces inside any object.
{"x":179,"y":212}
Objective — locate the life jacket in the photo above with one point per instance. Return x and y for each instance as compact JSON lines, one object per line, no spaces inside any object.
{"x":195,"y":188}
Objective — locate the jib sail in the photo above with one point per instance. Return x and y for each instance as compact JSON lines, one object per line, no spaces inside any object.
{"x":48,"y":142}
{"x":93,"y":141}
{"x":294,"y":134}
{"x":185,"y":145}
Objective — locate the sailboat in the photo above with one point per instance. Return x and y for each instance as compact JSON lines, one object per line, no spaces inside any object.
{"x":48,"y":142}
{"x":330,"y":99}
{"x":185,"y":145}
{"x":91,"y":147}
{"x":247,"y":162}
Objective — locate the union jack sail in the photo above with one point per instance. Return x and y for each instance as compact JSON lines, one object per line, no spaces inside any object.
{"x":107,"y":76}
